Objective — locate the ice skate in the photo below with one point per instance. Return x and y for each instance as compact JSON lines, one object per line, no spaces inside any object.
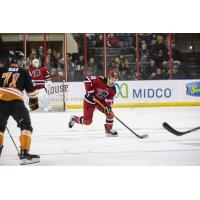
{"x":111,"y":133}
{"x":26,"y":158}
{"x":72,"y":121}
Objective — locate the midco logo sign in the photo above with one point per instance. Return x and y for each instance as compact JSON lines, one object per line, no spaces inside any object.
{"x":152,"y":93}
{"x":193,"y":89}
{"x":123,"y":92}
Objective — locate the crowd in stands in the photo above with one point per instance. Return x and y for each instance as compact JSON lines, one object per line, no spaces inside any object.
{"x":121,"y":57}
{"x":153,"y":53}
{"x":54,"y":62}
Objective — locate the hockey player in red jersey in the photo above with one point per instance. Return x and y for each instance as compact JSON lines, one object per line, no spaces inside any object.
{"x":103,"y":89}
{"x":42,"y":80}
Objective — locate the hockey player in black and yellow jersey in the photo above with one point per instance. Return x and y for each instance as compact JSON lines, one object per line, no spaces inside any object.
{"x":14,"y":79}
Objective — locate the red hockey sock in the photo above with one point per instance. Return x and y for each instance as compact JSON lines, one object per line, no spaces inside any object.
{"x":108,"y":126}
{"x":79,"y":120}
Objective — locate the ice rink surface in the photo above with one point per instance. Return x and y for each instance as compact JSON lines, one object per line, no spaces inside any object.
{"x":88,"y":146}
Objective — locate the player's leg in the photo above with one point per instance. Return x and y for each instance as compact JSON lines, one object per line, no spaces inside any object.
{"x":109,"y":123}
{"x":4,"y":115}
{"x":45,"y":100}
{"x":22,"y":117}
{"x":40,"y":99}
{"x":88,"y":110}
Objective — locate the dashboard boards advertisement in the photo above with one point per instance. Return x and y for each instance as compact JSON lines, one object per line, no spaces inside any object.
{"x":134,"y":93}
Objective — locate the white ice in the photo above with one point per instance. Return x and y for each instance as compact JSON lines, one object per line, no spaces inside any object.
{"x":88,"y":146}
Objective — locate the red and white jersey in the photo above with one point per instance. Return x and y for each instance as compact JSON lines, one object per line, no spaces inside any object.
{"x":39,"y":76}
{"x":102,"y":92}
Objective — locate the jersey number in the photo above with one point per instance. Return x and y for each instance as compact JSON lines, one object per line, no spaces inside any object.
{"x":9,"y":75}
{"x":36,"y":73}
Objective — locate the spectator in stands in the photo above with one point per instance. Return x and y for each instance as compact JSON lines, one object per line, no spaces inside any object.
{"x":123,"y":71}
{"x":60,"y":73}
{"x":144,"y":57}
{"x":100,"y":41}
{"x":180,"y":72}
{"x":51,"y":60}
{"x":40,"y":55}
{"x":61,"y":64}
{"x":56,"y":76}
{"x":90,"y":36}
{"x":137,"y":75}
{"x":92,"y":67}
{"x":91,"y":39}
{"x":175,"y":64}
{"x":150,"y":71}
{"x":112,"y":41}
{"x":58,"y":59}
{"x":112,"y":66}
{"x":159,"y":51}
{"x":33,"y":51}
{"x":175,"y":73}
{"x":176,"y":53}
{"x":70,"y":67}
{"x":117,"y":62}
{"x":31,"y":57}
{"x":54,"y":52}
{"x":147,"y":37}
{"x":159,"y":74}
{"x":78,"y":68}
{"x":121,"y":57}
{"x":53,"y":74}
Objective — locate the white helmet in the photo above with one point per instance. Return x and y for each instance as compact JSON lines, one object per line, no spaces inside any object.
{"x":36,"y":63}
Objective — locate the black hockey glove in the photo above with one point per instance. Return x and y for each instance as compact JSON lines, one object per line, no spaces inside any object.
{"x":33,"y":103}
{"x":90,"y":97}
{"x":107,"y":109}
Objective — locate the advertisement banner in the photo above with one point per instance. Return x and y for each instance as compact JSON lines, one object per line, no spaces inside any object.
{"x":135,"y":93}
{"x":58,"y":94}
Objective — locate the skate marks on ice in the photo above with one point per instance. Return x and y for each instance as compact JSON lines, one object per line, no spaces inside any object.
{"x":87,"y":145}
{"x":82,"y":148}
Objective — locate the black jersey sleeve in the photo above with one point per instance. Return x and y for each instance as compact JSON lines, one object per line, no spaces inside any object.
{"x":28,"y":84}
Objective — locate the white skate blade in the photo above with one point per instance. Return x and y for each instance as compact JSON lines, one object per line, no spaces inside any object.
{"x":111,"y":135}
{"x":29,"y":162}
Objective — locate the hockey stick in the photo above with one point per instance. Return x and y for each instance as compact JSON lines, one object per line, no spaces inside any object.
{"x":178,"y":133}
{"x":13,"y":141}
{"x":139,"y":136}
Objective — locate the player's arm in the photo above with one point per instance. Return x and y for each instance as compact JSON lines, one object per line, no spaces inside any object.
{"x":29,"y":72}
{"x":89,"y":87}
{"x":109,"y":101}
{"x":31,"y":91}
{"x":47,"y":78}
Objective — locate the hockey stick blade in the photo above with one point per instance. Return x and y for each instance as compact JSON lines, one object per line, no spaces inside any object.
{"x":178,"y":133}
{"x":143,"y":136}
{"x":138,"y":136}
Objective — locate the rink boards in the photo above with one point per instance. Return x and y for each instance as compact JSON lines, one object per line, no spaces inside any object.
{"x":152,"y":93}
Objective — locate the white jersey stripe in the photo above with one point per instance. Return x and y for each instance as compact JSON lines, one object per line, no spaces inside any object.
{"x":88,"y":101}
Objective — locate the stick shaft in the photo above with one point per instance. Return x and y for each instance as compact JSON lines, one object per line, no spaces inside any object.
{"x":139,"y":136}
{"x":12,"y":140}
